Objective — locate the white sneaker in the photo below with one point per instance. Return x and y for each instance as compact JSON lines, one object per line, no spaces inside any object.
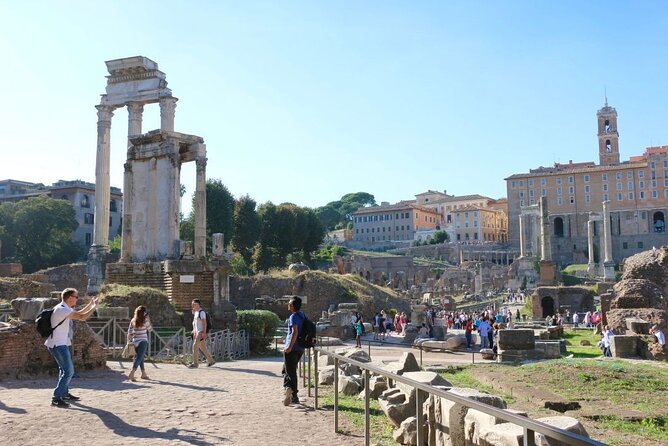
{"x":288,"y":396}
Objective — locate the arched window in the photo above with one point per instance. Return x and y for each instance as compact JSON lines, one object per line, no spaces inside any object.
{"x":558,"y":227}
{"x":659,"y":222}
{"x":85,"y":201}
{"x":608,"y":146}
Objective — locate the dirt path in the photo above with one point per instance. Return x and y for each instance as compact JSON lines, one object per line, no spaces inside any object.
{"x":236,"y":403}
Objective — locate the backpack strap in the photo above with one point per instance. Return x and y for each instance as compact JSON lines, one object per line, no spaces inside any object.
{"x":57,"y":325}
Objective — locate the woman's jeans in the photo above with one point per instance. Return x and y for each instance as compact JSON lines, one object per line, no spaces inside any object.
{"x":61,"y":354}
{"x":468,"y":339}
{"x":141,"y":352}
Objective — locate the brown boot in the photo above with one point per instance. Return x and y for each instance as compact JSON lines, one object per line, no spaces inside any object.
{"x":144,"y":375}
{"x":131,"y":376}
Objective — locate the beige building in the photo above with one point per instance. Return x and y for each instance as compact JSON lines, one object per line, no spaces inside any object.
{"x":392,"y":222}
{"x":637,"y":190}
{"x":468,"y":217}
{"x":82,"y":196}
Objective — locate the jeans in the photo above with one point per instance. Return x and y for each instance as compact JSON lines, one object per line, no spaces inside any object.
{"x":469,"y":339}
{"x":290,"y":362}
{"x":484,"y":341}
{"x":61,"y":354}
{"x":139,"y":357}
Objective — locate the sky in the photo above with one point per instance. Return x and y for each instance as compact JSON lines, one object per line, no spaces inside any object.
{"x":304,"y":102}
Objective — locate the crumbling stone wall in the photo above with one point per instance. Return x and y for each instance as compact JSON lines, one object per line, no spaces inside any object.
{"x":66,"y":276}
{"x":23,"y":354}
{"x":11,"y":288}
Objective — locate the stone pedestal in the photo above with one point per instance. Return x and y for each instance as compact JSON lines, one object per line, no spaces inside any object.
{"x":548,"y":272}
{"x":609,"y":271}
{"x":95,"y":268}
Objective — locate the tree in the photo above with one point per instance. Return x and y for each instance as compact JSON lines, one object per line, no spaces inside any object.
{"x":42,"y":229}
{"x":438,"y":237}
{"x":247,"y":227}
{"x":344,"y":207}
{"x":219,"y":210}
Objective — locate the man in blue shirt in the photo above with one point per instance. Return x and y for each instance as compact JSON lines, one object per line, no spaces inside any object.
{"x":292,"y":351}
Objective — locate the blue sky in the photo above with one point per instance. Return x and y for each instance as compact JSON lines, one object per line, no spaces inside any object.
{"x":306,"y":101}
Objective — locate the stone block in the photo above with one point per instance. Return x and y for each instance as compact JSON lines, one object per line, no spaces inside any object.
{"x":451,"y":414}
{"x":324,"y":361}
{"x":504,"y":434}
{"x":549,"y":349}
{"x":516,"y":339}
{"x":637,"y":326}
{"x":29,"y":308}
{"x":455,"y":342}
{"x":569,"y":424}
{"x":407,"y":363}
{"x":429,"y":378}
{"x":348,"y":369}
{"x":475,"y":421}
{"x":625,"y":346}
{"x":348,"y":385}
{"x":487,"y":353}
{"x":326,"y":375}
{"x":396,"y":406}
{"x":377,"y":386}
{"x":519,"y":355}
{"x":406,"y":433}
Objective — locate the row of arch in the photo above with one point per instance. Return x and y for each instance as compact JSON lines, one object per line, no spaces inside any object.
{"x":658,"y":224}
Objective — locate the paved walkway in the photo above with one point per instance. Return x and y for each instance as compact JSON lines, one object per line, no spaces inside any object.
{"x":236,"y":403}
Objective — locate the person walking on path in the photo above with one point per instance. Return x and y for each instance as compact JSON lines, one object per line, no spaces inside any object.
{"x":60,"y":340}
{"x":138,"y":335}
{"x":359,"y":331}
{"x":200,"y":330}
{"x":292,"y":351}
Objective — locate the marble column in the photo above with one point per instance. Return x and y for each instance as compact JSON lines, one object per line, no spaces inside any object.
{"x":200,"y":208}
{"x":608,"y":263}
{"x":126,"y":239}
{"x":523,"y":237}
{"x":135,"y":111}
{"x":545,"y":245}
{"x":591,"y":265}
{"x":102,"y":185}
{"x":167,"y":112}
{"x":535,"y":236}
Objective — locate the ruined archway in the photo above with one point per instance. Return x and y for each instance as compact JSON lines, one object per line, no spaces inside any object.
{"x":558,"y":227}
{"x":659,"y":222}
{"x":547,"y":304}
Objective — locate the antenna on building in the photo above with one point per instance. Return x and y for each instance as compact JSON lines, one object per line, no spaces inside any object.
{"x":605,"y":92}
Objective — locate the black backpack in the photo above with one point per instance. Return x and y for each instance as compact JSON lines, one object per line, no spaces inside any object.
{"x":43,"y":323}
{"x":209,"y":322}
{"x":307,"y":337}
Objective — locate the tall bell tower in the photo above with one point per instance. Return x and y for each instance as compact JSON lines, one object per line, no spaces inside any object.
{"x":608,"y":137}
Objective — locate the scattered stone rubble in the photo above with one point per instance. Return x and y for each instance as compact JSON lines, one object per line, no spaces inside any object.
{"x":445,"y":422}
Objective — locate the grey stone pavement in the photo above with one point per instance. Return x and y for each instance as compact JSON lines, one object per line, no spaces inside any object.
{"x":236,"y":403}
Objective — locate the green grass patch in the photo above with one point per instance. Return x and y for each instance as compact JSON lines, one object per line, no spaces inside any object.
{"x":575,"y":337}
{"x":572,"y":269}
{"x":461,"y":377}
{"x":353,"y":409}
{"x":655,"y":428}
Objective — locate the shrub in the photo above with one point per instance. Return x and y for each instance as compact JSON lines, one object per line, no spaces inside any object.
{"x":260,"y":326}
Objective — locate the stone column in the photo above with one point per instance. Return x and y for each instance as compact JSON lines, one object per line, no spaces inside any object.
{"x":135,"y":111}
{"x":126,"y":239}
{"x":608,"y":263}
{"x":535,"y":236}
{"x":200,"y":208}
{"x":591,"y":265}
{"x":102,"y":186}
{"x":167,"y":111}
{"x":545,"y":245}
{"x":523,"y":237}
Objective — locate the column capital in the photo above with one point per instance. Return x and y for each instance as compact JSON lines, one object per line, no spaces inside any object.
{"x":200,"y":162}
{"x":104,"y":113}
{"x":135,"y":108}
{"x":168,"y":104}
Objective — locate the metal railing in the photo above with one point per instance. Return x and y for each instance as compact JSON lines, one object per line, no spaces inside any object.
{"x":422,"y":391}
{"x":170,"y":342}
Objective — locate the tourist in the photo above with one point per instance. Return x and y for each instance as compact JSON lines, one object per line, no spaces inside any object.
{"x":607,"y":341}
{"x":403,"y":320}
{"x":359,"y":330}
{"x":423,"y":332}
{"x":292,"y":351}
{"x":376,"y":326}
{"x":397,"y":323}
{"x":576,"y":320}
{"x":517,"y":315}
{"x":199,"y":335}
{"x":659,"y":335}
{"x":587,"y":319}
{"x":484,"y":329}
{"x":59,"y":342}
{"x":468,"y":329}
{"x":138,"y":335}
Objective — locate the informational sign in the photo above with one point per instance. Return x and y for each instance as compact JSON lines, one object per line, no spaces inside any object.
{"x":187,"y":279}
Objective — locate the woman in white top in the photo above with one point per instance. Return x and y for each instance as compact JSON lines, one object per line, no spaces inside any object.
{"x":138,"y":335}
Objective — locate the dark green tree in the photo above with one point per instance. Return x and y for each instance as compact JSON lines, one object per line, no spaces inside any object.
{"x":439,"y":237}
{"x":345,"y":207}
{"x":247,"y":227}
{"x":219,"y":210}
{"x":42,"y":228}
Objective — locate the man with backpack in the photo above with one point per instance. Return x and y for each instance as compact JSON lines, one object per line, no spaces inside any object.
{"x":292,"y":351}
{"x":200,"y":330}
{"x":58,"y":342}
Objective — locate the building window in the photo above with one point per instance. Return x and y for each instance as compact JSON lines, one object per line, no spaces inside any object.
{"x":559,"y":191}
{"x":631,"y":196}
{"x":625,"y":245}
{"x":531,"y":193}
{"x":629,"y":174}
{"x":570,"y":179}
{"x":558,"y":227}
{"x":641,"y":184}
{"x":111,"y":221}
{"x":640,"y":245}
{"x":571,"y":190}
{"x":530,"y":182}
{"x":604,"y":176}
{"x":572,"y":200}
{"x":459,"y":237}
{"x":89,"y":238}
{"x":475,"y":236}
{"x":605,"y":187}
{"x":620,"y":197}
{"x":560,"y":201}
{"x":655,"y":194}
{"x":642,"y":194}
{"x":85,"y":201}
{"x":558,"y":181}
{"x":521,"y":202}
{"x":586,"y":178}
{"x":543,"y":192}
{"x":629,"y":186}
{"x":587,"y":189}
{"x":641,"y":174}
{"x":605,"y":197}
{"x":619,"y":186}
{"x":543,"y":181}
{"x":587,"y":198}
{"x":618,"y":175}
{"x":89,"y":218}
{"x":512,"y":184}
{"x":112,"y":206}
{"x":654,"y":184}
{"x":521,"y":183}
